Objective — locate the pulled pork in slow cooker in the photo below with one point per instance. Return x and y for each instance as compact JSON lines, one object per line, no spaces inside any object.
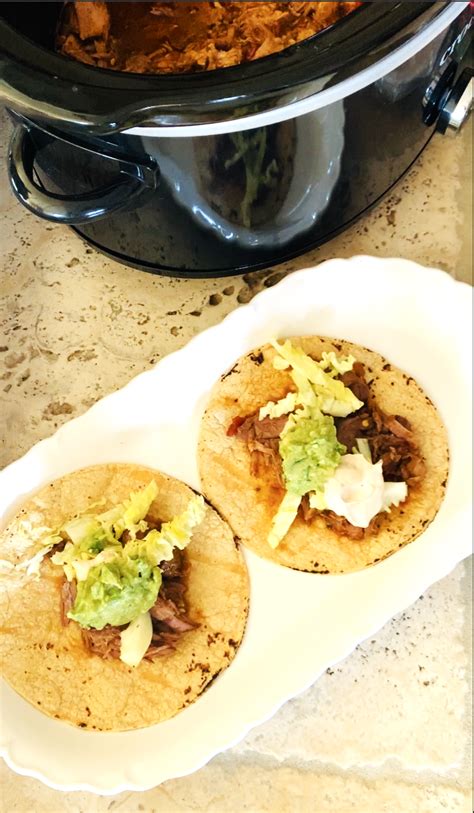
{"x":185,"y":37}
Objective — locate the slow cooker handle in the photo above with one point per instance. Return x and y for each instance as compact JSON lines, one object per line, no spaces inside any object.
{"x":131,"y":183}
{"x":457,"y":105}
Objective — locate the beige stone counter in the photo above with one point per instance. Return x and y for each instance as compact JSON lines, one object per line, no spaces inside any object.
{"x":387,"y":729}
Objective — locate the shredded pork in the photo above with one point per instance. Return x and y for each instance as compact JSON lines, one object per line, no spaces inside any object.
{"x":167,"y":614}
{"x":93,"y":19}
{"x":262,"y":439}
{"x":184,"y":37}
{"x":105,"y":643}
{"x":68,"y":597}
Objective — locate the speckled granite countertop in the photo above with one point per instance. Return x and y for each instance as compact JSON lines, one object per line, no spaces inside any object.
{"x":389,"y":728}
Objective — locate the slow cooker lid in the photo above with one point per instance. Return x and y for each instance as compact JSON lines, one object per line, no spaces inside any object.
{"x":42,"y":84}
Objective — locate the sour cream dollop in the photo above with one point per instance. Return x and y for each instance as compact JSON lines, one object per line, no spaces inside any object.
{"x":356,"y":490}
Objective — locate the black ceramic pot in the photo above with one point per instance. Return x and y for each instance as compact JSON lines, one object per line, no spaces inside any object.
{"x":147,"y":168}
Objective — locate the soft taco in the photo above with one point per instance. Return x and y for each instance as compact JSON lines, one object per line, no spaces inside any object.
{"x":122,"y":596}
{"x":322,"y":455}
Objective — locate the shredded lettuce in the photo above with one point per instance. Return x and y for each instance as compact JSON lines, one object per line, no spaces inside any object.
{"x":91,"y":534}
{"x":80,"y":568}
{"x":307,"y":395}
{"x":35,"y":541}
{"x":77,"y":558}
{"x":86,"y":531}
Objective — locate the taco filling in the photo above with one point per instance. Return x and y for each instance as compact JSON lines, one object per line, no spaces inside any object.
{"x":124,"y":577}
{"x":329,"y":448}
{"x":182,"y":37}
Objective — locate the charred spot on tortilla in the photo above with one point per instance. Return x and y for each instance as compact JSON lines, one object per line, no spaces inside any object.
{"x":257,"y":358}
{"x":229,"y":372}
{"x":241,"y":466}
{"x":49,"y":665}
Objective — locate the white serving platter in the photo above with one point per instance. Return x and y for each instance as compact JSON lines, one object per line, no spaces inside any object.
{"x":420,"y":319}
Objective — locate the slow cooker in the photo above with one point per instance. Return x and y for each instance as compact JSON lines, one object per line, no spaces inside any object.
{"x":124,"y":158}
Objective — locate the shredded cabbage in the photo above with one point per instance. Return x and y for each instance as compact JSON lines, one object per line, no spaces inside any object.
{"x":157,"y":546}
{"x":135,"y":639}
{"x":277,"y":409}
{"x":86,"y":529}
{"x":80,"y":568}
{"x":334,"y":398}
{"x":337,"y":365}
{"x":363,"y":448}
{"x":129,"y":515}
{"x":32,"y":565}
{"x":284,"y":518}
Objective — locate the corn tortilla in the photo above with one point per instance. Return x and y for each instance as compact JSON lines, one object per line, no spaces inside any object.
{"x":47,"y":663}
{"x":249,"y":502}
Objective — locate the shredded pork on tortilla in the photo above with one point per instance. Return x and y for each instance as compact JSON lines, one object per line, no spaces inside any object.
{"x":390,"y":440}
{"x":184,"y":37}
{"x":262,"y":439}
